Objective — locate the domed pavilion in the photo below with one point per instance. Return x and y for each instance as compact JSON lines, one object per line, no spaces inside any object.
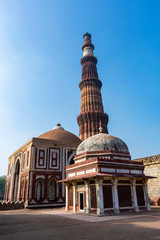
{"x":103,"y":179}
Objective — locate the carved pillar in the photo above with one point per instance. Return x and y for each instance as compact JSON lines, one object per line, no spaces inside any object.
{"x":146,"y":197}
{"x":115,"y":196}
{"x":67,"y":186}
{"x":74,"y":197}
{"x":134,"y":195}
{"x":99,"y":196}
{"x":87,"y":196}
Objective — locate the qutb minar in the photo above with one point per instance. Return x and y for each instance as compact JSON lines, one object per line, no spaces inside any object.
{"x":92,"y":115}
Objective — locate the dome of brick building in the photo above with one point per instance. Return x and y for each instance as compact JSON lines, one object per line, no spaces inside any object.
{"x":61,"y":136}
{"x":102,"y":142}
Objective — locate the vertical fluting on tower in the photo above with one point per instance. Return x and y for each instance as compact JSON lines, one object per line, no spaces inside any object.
{"x":92,"y":115}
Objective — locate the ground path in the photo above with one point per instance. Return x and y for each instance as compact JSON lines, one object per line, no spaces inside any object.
{"x":57,"y":224}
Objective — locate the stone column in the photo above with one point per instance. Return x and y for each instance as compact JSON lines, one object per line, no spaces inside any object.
{"x":74,"y":196}
{"x":115,"y":196}
{"x":99,"y":196}
{"x":146,"y":197}
{"x":67,"y":186}
{"x":134,"y":195}
{"x":87,"y":196}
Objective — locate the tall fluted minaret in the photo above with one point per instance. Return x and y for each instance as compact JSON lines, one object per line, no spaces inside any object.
{"x":92,"y":116}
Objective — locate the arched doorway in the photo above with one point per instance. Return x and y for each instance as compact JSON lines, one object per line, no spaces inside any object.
{"x":16,"y":180}
{"x":52,"y":190}
{"x":39,"y":191}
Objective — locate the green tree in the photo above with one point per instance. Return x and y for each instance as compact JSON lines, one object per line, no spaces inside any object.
{"x":2,"y":186}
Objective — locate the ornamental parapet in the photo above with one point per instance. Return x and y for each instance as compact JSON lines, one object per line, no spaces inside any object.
{"x":104,"y":151}
{"x":99,"y":159}
{"x":88,"y":58}
{"x":90,"y":81}
{"x":149,"y":160}
{"x":93,"y":160}
{"x":87,"y":44}
{"x":122,"y":161}
{"x":87,"y":117}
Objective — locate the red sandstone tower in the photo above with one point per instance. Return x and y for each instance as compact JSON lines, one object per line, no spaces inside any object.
{"x":92,"y":115}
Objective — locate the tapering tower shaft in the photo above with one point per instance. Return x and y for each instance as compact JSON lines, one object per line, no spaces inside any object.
{"x":92,"y":115}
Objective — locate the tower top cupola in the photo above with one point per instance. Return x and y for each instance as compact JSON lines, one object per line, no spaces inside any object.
{"x":87,"y":47}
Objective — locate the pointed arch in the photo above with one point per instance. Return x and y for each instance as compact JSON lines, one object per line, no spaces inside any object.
{"x":52,"y":189}
{"x":39,"y":193}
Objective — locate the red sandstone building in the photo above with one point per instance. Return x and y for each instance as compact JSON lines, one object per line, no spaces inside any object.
{"x":35,"y":169}
{"x":100,"y":178}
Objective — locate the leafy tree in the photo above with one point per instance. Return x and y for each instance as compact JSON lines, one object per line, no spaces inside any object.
{"x":2,"y":186}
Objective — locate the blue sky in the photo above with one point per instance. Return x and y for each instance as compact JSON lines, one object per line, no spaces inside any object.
{"x":40,"y":52}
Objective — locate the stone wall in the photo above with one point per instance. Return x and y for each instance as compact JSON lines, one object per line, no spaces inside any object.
{"x":11,"y":205}
{"x":152,"y":168}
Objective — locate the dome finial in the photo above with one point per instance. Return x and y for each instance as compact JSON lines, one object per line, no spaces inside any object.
{"x":101,"y":130}
{"x":58,"y":126}
{"x":88,"y":35}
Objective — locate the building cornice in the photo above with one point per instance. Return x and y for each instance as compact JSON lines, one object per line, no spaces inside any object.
{"x":19,"y":150}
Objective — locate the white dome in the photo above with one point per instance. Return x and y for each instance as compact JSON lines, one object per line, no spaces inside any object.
{"x":102,"y":142}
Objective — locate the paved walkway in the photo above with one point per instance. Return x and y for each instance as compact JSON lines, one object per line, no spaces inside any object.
{"x":56,"y":224}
